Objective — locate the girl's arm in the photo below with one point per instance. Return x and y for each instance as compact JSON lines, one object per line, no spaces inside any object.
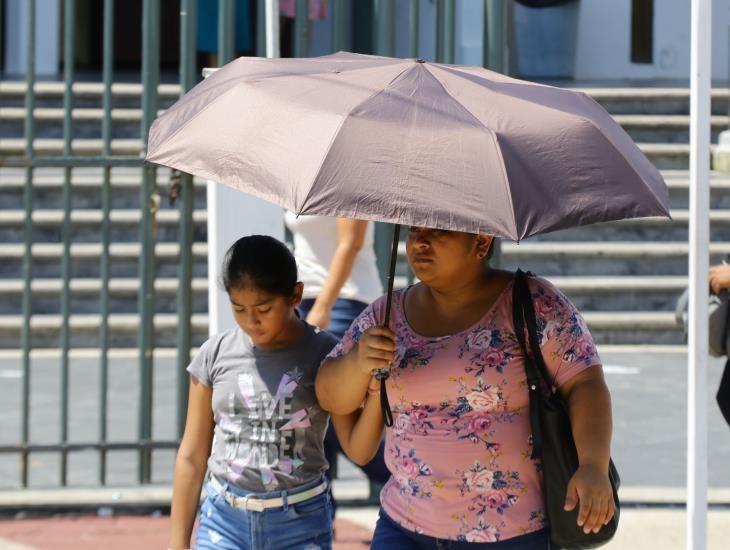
{"x":360,"y":432}
{"x":191,"y":464}
{"x":342,"y":382}
{"x":350,"y":239}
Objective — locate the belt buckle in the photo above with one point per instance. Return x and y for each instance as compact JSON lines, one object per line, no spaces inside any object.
{"x":253,"y":504}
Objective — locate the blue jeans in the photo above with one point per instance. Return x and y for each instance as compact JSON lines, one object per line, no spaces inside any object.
{"x":303,"y":526}
{"x":388,"y":534}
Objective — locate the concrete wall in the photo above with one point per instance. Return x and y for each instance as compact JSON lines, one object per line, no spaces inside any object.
{"x":604,"y":41}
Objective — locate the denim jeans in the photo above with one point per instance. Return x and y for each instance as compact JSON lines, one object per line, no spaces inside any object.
{"x":303,"y":526}
{"x":388,"y":535}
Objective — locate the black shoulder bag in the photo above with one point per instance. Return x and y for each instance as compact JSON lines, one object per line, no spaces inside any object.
{"x":552,"y":436}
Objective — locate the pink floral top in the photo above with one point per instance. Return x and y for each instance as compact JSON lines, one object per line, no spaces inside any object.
{"x":459,"y":449}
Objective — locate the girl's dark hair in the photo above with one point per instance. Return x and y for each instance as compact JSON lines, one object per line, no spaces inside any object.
{"x":261,"y":261}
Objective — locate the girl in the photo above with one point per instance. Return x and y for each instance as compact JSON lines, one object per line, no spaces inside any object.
{"x":253,"y":418}
{"x":459,"y":449}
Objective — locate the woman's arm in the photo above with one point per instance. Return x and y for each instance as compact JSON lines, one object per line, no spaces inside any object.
{"x":360,"y":432}
{"x":191,"y":464}
{"x":342,"y":382}
{"x":350,"y":240}
{"x":589,"y":404}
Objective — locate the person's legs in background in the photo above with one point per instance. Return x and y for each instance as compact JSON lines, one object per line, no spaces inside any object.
{"x":343,"y":314}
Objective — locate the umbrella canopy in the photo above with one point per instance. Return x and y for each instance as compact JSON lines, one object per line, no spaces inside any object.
{"x":409,"y":142}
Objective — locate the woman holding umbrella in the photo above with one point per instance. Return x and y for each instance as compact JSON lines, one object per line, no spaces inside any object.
{"x":459,"y":450}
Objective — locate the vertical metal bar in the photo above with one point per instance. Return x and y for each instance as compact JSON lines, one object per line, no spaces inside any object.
{"x":699,"y":258}
{"x":188,"y":41}
{"x":261,"y":28}
{"x":272,"y":29}
{"x":301,"y":29}
{"x":150,"y":82}
{"x":226,"y":31}
{"x":384,"y":14}
{"x":495,"y":35}
{"x":415,"y":25}
{"x":106,"y":137}
{"x":440,"y":31}
{"x":25,"y":335}
{"x":449,"y":27}
{"x":68,"y":74}
{"x":336,"y":18}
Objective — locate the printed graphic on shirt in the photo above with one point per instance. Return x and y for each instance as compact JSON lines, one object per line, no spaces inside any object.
{"x":274,"y":437}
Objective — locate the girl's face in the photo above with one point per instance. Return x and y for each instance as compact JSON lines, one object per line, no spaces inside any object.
{"x":442,"y":258}
{"x":266,"y":318}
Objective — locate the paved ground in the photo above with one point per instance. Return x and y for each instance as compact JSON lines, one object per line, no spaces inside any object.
{"x":641,"y":529}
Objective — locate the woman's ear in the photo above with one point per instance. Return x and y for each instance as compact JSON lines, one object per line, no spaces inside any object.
{"x":484,"y":243}
{"x":296,"y":298}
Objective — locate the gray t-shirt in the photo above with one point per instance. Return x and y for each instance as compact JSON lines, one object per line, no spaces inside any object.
{"x":269,"y":427}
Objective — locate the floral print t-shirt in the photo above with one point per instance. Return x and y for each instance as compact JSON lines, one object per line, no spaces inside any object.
{"x":459,"y":449}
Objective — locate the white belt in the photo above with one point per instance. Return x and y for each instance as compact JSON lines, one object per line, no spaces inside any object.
{"x":255,"y":504}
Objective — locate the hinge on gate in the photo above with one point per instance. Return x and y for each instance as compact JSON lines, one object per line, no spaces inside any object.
{"x":173,"y":191}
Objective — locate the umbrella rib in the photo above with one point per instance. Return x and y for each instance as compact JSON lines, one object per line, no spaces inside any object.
{"x":336,"y":133}
{"x":492,"y":134}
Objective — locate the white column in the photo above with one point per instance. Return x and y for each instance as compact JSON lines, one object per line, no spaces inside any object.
{"x":272,"y":28}
{"x":699,"y":257}
{"x":232,"y":214}
{"x":47,"y":33}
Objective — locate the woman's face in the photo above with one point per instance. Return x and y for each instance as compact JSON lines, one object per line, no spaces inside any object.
{"x":263,"y":316}
{"x":443,"y":258}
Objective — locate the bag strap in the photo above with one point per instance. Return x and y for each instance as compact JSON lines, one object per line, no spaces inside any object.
{"x":523,"y":315}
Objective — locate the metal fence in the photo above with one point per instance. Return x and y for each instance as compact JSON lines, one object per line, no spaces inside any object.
{"x":383,"y":26}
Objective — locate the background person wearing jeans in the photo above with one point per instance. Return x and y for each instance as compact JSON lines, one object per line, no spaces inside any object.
{"x":337,"y":265}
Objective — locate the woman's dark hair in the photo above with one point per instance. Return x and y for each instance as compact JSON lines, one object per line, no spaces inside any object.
{"x":261,"y":261}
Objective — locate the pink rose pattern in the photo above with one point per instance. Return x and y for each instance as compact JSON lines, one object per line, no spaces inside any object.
{"x":478,"y":406}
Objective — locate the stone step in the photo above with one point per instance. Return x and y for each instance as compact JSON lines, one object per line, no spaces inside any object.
{"x":545,"y":258}
{"x":629,"y":293}
{"x":605,"y":258}
{"x":86,"y":186}
{"x":170,"y":216}
{"x":648,"y":293}
{"x":86,"y":257}
{"x":606,"y":327}
{"x":16,"y":90}
{"x":643,"y":128}
{"x":653,"y":100}
{"x":53,"y":146}
{"x":662,"y":155}
{"x":666,"y":128}
{"x":86,"y":224}
{"x":626,"y":100}
{"x":84,"y":330}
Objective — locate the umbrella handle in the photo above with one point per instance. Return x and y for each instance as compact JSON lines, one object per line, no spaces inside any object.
{"x":383,"y":374}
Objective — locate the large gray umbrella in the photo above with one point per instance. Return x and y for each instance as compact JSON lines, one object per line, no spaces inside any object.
{"x":409,"y":142}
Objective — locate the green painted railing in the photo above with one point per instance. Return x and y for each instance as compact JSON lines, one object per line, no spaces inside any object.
{"x":343,"y":27}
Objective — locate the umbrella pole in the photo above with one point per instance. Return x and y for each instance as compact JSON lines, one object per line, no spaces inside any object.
{"x":383,"y":374}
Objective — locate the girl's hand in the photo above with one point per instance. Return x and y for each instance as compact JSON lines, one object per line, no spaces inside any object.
{"x":376,"y":349}
{"x":591,"y":487}
{"x":719,"y":278}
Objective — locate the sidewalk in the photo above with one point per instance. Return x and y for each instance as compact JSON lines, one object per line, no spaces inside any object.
{"x":641,"y":529}
{"x":653,"y":518}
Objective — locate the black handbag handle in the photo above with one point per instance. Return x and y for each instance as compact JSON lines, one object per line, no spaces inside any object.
{"x":523,"y":314}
